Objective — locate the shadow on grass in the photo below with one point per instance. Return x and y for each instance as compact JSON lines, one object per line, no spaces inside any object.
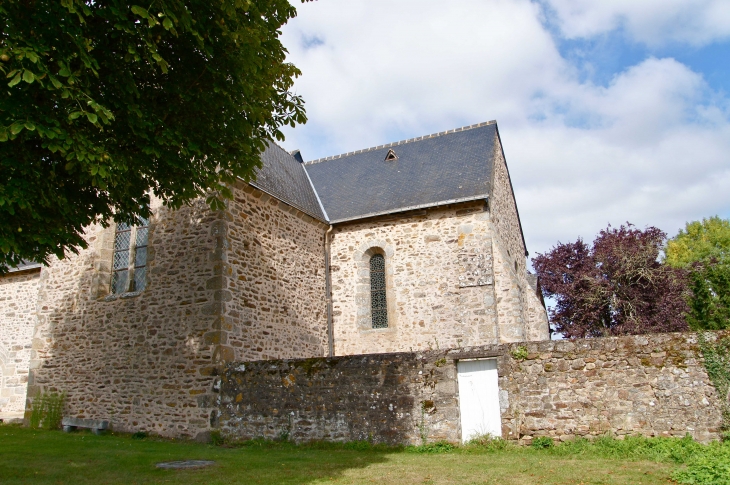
{"x":45,"y":457}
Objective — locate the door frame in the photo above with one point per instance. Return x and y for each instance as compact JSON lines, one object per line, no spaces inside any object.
{"x":496,"y":359}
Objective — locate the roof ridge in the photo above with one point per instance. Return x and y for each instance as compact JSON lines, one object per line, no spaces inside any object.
{"x":271,"y":140}
{"x":402,"y":142}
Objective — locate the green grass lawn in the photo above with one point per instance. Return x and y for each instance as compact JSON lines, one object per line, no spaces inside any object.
{"x":35,"y":456}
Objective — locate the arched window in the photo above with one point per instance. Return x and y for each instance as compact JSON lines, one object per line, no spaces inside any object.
{"x":378,"y":300}
{"x":130,"y":257}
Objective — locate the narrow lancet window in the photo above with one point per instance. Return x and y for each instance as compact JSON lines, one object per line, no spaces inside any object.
{"x":378,"y":300}
{"x":140,"y":256}
{"x":122,"y":240}
{"x":130,"y":257}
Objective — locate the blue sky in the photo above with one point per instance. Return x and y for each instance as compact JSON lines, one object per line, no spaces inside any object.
{"x":600,"y":59}
{"x":609,"y":111}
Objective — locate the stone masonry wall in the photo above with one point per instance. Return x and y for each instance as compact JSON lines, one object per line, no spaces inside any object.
{"x":136,"y":359}
{"x":653,"y":385}
{"x":511,"y":286}
{"x":447,"y":283}
{"x":384,"y":398}
{"x":537,"y":320}
{"x":438,"y":275}
{"x":18,"y":298}
{"x":504,"y":213}
{"x":220,"y":285}
{"x":276,"y":304}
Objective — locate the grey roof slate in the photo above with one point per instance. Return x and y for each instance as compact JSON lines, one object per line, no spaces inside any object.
{"x":282,"y":176}
{"x":24,"y":266}
{"x":450,"y":166}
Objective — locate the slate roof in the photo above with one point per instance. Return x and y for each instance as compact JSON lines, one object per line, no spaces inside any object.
{"x":451,"y":166}
{"x":24,"y":266}
{"x":285,"y":178}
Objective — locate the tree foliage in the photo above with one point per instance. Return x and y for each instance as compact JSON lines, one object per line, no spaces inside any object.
{"x":703,"y":248}
{"x":105,"y":102}
{"x":699,"y":241}
{"x":617,"y":286}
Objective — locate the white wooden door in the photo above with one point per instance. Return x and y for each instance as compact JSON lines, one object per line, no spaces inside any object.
{"x":479,"y":398}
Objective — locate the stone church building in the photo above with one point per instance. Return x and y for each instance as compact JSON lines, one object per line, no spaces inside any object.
{"x":410,"y":246}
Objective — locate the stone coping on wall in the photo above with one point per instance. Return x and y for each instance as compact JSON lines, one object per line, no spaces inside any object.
{"x":535,"y":349}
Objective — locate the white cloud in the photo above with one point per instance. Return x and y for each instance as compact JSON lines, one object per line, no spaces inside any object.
{"x":653,"y":22}
{"x":386,"y":67}
{"x":651,"y":147}
{"x":654,"y":154}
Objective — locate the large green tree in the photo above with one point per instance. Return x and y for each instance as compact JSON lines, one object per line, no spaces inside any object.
{"x":703,"y":247}
{"x":104,"y":102}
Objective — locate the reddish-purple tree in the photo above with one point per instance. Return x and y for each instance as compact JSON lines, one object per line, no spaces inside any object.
{"x":616,"y":287}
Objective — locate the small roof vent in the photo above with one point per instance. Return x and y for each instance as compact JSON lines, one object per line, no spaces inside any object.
{"x":297,"y":156}
{"x":391,"y":156}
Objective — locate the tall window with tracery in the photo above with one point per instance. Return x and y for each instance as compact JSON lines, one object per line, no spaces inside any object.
{"x":130,"y":257}
{"x":378,"y":299}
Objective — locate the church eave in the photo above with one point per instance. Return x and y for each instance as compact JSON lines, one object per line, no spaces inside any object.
{"x":413,"y":207}
{"x":297,"y":207}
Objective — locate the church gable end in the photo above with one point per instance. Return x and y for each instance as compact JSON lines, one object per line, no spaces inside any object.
{"x":446,"y":210}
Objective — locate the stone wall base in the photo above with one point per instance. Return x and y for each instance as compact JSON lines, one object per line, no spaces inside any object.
{"x":653,"y":385}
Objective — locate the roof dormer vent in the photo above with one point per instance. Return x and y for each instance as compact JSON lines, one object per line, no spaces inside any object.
{"x":297,"y":156}
{"x":391,"y":156}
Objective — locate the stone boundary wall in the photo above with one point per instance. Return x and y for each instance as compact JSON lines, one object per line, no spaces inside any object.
{"x":654,"y":385}
{"x":375,"y":397}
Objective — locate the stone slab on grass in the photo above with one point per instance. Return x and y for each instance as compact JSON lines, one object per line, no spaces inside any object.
{"x":185,"y":464}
